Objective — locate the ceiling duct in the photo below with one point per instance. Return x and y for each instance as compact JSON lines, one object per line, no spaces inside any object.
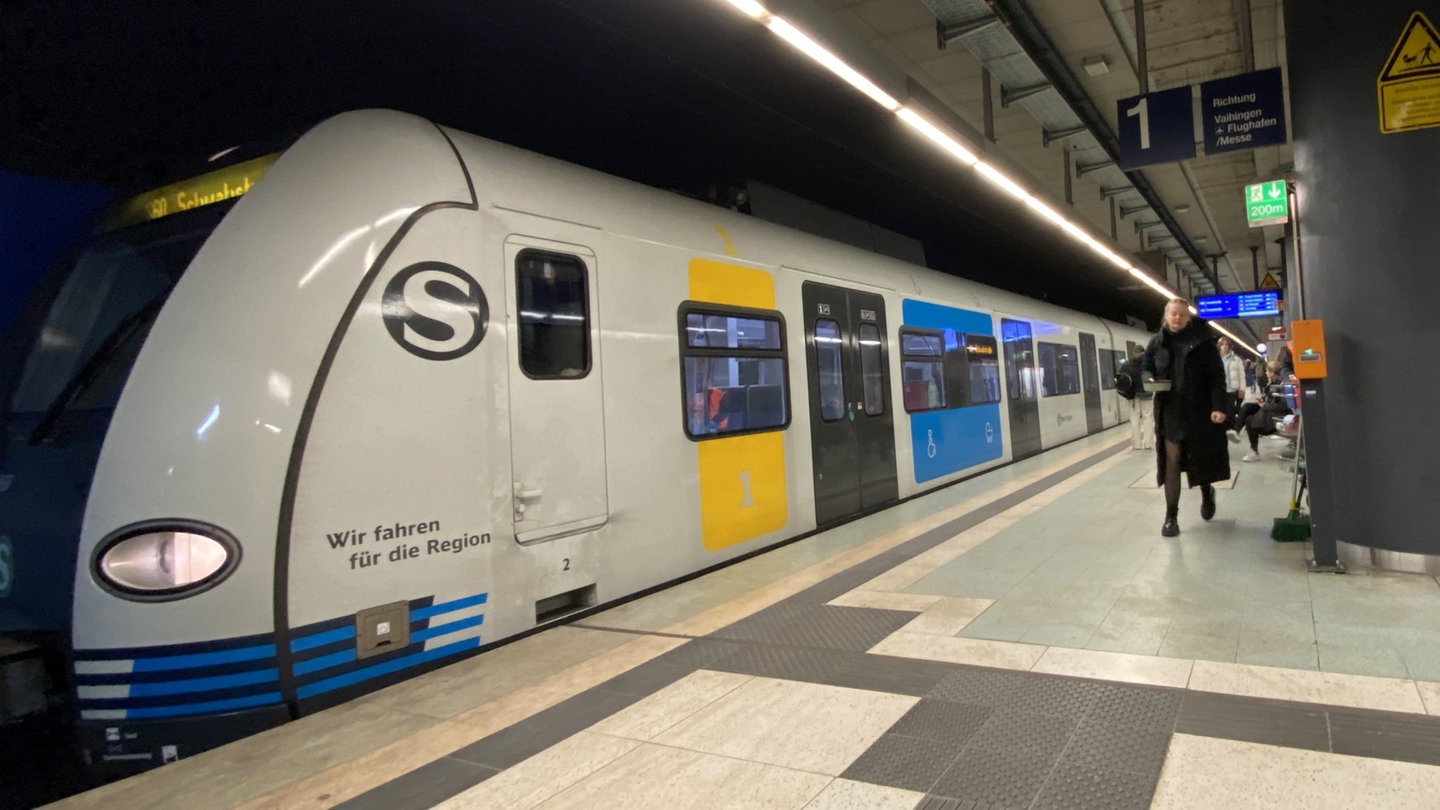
{"x":1032,"y":75}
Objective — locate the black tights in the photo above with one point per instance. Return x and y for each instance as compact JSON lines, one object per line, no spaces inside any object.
{"x":1172,"y":476}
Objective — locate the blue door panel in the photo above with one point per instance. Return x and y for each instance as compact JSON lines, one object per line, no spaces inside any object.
{"x":947,"y":441}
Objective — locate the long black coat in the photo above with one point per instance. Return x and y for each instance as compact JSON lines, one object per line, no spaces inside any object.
{"x":1190,"y":359}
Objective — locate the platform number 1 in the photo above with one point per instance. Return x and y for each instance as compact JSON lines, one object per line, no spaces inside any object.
{"x":1141,"y":110}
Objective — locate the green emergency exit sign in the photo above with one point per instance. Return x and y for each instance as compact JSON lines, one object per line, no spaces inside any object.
{"x":1267,"y":204}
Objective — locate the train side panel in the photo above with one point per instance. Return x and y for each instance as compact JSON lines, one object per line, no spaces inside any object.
{"x":402,"y":507}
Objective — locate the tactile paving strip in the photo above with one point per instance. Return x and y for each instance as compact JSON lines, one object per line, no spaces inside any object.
{"x":810,"y":625}
{"x":941,"y":803}
{"x":903,"y":762}
{"x":814,"y":666}
{"x":1058,"y":697}
{"x":1405,"y":737}
{"x":698,"y":653}
{"x":1117,"y":747}
{"x":1021,"y":732}
{"x":886,"y":673}
{"x":942,"y":721}
{"x":1254,"y":720}
{"x":982,"y":687}
{"x":1006,"y":778}
{"x":1076,"y":788}
{"x":1144,"y":707}
{"x":646,"y":679}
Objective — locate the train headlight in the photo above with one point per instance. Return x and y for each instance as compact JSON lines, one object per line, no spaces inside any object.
{"x":162,"y":560}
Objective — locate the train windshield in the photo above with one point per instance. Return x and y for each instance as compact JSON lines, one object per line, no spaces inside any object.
{"x":97,"y":318}
{"x":99,"y":310}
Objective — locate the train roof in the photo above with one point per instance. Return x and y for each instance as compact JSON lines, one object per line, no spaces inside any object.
{"x":515,"y":178}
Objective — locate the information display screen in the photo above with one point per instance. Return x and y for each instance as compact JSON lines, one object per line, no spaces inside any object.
{"x":1240,"y":305}
{"x":211,"y":187}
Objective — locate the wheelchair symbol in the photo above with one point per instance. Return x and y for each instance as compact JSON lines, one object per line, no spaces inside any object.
{"x":989,"y":433}
{"x":930,"y":448}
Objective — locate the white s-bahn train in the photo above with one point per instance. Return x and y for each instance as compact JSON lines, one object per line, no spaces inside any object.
{"x":416,"y":392}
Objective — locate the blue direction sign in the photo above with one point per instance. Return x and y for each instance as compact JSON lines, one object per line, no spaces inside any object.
{"x":1239,"y":305}
{"x":1156,"y":128}
{"x":1243,"y":112}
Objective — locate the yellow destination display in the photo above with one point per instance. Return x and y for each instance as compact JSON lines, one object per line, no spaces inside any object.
{"x":1409,"y":86}
{"x":207,"y":189}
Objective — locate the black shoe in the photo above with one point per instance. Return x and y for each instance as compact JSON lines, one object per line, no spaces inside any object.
{"x":1207,"y":502}
{"x":1169,"y":528}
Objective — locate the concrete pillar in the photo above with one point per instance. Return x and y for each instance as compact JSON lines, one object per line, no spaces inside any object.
{"x":1370,"y":248}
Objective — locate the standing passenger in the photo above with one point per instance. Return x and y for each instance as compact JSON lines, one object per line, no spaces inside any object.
{"x":1142,"y":426}
{"x":1190,"y":418}
{"x":1234,"y":388}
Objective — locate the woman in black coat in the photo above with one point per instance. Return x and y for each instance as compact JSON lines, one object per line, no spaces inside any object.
{"x":1190,"y":417}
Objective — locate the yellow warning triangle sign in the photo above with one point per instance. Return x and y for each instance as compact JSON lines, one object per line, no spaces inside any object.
{"x":1269,"y":283}
{"x":1416,"y":54}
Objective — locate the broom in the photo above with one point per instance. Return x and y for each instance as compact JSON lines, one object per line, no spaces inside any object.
{"x":1294,"y":527}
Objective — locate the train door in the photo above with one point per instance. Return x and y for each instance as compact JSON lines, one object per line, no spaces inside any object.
{"x":557,"y":442}
{"x":1023,"y":393}
{"x":1090,"y":384}
{"x":852,"y":430}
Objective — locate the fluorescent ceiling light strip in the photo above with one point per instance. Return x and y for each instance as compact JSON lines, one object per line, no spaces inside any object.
{"x":1036,"y":204}
{"x":1054,"y":216}
{"x":1237,"y":342}
{"x":1152,"y":283}
{"x":783,"y":29}
{"x":933,"y":132}
{"x":751,"y":8}
{"x":830,"y":61}
{"x":1095,"y":245}
{"x":1010,"y":186}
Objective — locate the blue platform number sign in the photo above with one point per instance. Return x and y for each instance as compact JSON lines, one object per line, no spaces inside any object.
{"x":1156,"y":128}
{"x":1243,"y":112}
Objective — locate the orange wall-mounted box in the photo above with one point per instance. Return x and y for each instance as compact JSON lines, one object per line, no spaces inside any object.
{"x":1309,"y":352}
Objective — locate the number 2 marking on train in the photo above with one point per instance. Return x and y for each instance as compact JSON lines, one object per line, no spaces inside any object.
{"x":567,"y":564}
{"x":748,"y":499}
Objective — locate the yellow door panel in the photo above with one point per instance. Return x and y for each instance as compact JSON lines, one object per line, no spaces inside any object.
{"x":721,"y":283}
{"x":742,"y":488}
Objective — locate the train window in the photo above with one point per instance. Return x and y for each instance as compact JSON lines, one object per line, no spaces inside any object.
{"x":828,"y":345}
{"x":710,"y":331}
{"x":983,"y":360}
{"x":922,"y":370}
{"x":1020,"y":369}
{"x":1119,"y":360}
{"x":872,"y":368}
{"x":1059,"y":369}
{"x":554,"y":312}
{"x":1107,"y":370}
{"x":734,"y":370}
{"x":100,"y":316}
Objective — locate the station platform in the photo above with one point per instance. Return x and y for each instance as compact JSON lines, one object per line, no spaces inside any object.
{"x":1023,"y":639}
